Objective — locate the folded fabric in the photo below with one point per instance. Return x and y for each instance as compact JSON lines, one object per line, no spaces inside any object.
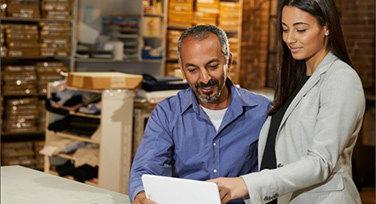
{"x":80,"y":174}
{"x":89,"y":156}
{"x":92,"y":109}
{"x":51,"y":108}
{"x":55,"y":147}
{"x":73,"y":146}
{"x":90,"y":97}
{"x":67,"y":169}
{"x":54,"y":105}
{"x":75,"y":125}
{"x":85,"y":172}
{"x":63,"y":97}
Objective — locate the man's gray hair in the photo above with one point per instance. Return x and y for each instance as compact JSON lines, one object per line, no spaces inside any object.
{"x":201,"y":32}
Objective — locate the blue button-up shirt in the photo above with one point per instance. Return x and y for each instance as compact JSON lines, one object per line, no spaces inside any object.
{"x":181,"y":141}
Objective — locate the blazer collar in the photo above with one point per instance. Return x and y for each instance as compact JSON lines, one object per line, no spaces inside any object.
{"x":323,"y":67}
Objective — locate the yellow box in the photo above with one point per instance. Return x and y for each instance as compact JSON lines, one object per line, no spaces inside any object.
{"x":181,"y":1}
{"x":199,"y":14}
{"x":104,"y":80}
{"x":229,"y":6}
{"x":207,"y":1}
{"x":181,"y":7}
{"x":151,"y":27}
{"x":207,"y":8}
{"x":184,"y":19}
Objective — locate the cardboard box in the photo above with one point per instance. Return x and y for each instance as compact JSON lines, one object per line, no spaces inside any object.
{"x":186,"y":7}
{"x":104,"y":80}
{"x":151,"y":27}
{"x":181,"y":1}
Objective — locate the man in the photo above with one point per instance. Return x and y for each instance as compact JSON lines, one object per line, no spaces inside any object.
{"x":206,"y":131}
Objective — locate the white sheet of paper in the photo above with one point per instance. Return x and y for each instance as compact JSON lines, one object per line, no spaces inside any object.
{"x":167,"y":190}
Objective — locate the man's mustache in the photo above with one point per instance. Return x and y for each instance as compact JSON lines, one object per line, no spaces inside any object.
{"x":210,"y":83}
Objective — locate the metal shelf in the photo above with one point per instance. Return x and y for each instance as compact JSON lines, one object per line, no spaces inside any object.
{"x":35,"y":57}
{"x":17,"y":19}
{"x":22,"y":136}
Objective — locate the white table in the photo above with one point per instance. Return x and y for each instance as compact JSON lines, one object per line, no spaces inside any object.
{"x":20,"y":185}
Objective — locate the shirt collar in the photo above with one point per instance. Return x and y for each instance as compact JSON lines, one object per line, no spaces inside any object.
{"x":237,"y":101}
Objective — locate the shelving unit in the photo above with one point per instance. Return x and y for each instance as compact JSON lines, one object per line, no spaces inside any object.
{"x":141,"y":64}
{"x":34,"y":21}
{"x":228,"y":17}
{"x":19,"y":59}
{"x":115,"y":141}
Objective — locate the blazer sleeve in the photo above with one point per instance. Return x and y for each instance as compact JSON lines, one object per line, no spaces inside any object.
{"x":338,"y":121}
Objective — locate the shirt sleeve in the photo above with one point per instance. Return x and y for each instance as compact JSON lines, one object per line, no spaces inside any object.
{"x":154,"y":155}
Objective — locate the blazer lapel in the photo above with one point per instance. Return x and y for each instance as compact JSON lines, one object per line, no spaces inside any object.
{"x":312,"y":81}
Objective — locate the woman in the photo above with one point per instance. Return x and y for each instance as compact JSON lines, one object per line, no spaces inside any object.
{"x":306,"y":144}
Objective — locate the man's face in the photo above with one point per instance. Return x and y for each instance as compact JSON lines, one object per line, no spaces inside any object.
{"x":204,"y":67}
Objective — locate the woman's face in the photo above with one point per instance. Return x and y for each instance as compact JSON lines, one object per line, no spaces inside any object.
{"x":303,"y":35}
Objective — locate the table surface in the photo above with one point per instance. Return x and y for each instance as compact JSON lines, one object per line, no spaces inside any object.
{"x":20,"y":185}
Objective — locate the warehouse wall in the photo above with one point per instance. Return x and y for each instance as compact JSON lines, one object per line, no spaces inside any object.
{"x":358,"y":22}
{"x":258,"y":65}
{"x":254,"y":51}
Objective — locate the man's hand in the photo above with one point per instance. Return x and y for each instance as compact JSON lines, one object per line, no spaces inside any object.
{"x":230,"y":188}
{"x":141,"y":199}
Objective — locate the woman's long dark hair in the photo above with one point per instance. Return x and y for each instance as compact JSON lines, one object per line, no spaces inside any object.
{"x":290,"y":71}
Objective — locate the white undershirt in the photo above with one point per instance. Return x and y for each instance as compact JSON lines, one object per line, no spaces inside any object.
{"x":215,"y":116}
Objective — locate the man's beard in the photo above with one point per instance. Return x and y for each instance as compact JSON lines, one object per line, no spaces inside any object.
{"x":206,"y":98}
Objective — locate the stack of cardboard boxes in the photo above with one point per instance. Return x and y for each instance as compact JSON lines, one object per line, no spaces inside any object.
{"x":172,"y":51}
{"x":3,"y":6}
{"x":21,"y":115}
{"x":180,"y":13}
{"x":23,"y":8}
{"x":18,"y":153}
{"x":49,"y":72}
{"x":25,"y":40}
{"x":172,"y":43}
{"x":22,"y":153}
{"x":186,"y":13}
{"x":57,"y":9}
{"x":229,"y":15}
{"x":19,"y":80}
{"x":55,"y":39}
{"x":26,"y":37}
{"x":4,"y":49}
{"x":22,"y":40}
{"x":206,"y":12}
{"x":50,"y":9}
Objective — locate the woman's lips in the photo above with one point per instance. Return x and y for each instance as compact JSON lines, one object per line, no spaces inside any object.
{"x":295,"y":49}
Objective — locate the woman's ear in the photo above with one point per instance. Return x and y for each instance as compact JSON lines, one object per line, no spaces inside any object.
{"x":326,"y":29}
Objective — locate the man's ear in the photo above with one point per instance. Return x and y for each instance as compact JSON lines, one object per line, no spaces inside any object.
{"x":229,"y":64}
{"x":182,"y":70}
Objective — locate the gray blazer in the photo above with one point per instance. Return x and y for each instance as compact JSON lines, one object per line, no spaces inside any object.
{"x":315,"y":141}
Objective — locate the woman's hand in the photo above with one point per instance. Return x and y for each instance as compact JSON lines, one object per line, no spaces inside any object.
{"x":230,"y":188}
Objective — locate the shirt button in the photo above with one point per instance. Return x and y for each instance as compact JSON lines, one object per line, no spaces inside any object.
{"x":214,"y":144}
{"x":215,"y":170}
